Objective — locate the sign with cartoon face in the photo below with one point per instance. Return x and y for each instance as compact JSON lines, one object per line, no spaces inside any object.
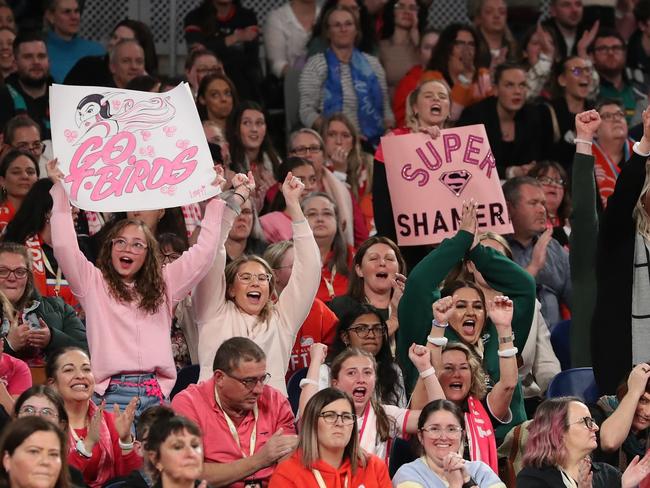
{"x":429,"y":179}
{"x":126,"y":150}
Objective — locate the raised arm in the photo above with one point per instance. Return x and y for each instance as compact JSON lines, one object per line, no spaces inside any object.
{"x":184,"y":273}
{"x":510,"y":279}
{"x":210,"y":294}
{"x":77,"y":269}
{"x":616,"y":427}
{"x":422,"y":286}
{"x":584,"y":235}
{"x":296,"y":299}
{"x":317,"y":354}
{"x":500,"y":311}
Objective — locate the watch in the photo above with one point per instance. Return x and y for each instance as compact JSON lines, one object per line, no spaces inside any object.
{"x":470,"y":484}
{"x":506,"y":339}
{"x":81,"y":449}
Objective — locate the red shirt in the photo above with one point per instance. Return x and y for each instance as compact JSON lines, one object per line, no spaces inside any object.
{"x":319,"y":326}
{"x":15,"y":374}
{"x":333,"y":283}
{"x":199,"y":404}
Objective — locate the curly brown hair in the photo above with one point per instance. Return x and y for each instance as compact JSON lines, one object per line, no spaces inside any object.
{"x":148,"y":287}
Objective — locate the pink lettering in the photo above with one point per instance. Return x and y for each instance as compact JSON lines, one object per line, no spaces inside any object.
{"x":488,"y":161}
{"x":471,"y":149}
{"x":418,"y":174}
{"x":113,"y":177}
{"x":434,"y":153}
{"x":451,"y":143}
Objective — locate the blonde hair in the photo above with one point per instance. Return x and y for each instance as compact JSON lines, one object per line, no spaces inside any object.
{"x":412,"y":121}
{"x":478,"y":387}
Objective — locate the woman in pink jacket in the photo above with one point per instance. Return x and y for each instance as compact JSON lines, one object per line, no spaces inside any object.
{"x":129,"y":296}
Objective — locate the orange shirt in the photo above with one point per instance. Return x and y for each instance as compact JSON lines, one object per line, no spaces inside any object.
{"x":464,"y":95}
{"x":292,"y":473}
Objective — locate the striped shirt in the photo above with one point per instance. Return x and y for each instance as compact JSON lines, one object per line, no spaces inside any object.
{"x":313,"y":79}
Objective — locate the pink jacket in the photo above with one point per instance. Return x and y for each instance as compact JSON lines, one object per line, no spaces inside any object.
{"x":122,"y":338}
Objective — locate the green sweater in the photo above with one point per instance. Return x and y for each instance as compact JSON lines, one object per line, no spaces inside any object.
{"x":422,"y":289}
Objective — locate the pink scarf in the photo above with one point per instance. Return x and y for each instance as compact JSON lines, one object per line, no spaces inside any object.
{"x":480,"y":434}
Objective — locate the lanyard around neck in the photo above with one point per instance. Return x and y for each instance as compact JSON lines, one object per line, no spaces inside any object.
{"x":321,"y":481}
{"x":233,"y":429}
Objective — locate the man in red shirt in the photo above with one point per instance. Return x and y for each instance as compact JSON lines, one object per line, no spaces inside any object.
{"x":248,"y":426}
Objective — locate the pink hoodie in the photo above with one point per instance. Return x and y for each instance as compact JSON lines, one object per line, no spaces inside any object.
{"x":121,"y":337}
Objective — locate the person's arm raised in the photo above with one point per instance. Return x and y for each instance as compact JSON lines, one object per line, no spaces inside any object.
{"x":296,"y":299}
{"x":310,"y":385}
{"x":616,"y":427}
{"x":74,"y":265}
{"x":500,"y":311}
{"x":209,"y":294}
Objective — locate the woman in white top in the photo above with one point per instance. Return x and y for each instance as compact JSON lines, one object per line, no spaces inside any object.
{"x":354,"y":371}
{"x":237,"y":300}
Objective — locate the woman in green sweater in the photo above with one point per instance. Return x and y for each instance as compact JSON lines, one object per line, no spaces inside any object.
{"x":502,"y":274}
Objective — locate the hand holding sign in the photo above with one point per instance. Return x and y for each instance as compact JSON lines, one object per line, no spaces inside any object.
{"x":430,"y":176}
{"x":54,"y":173}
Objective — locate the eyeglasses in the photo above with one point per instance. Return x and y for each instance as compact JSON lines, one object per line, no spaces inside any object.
{"x":28,"y":410}
{"x":304,"y":150}
{"x":409,"y":8}
{"x":36,"y":147}
{"x":136,"y":247}
{"x":587,"y":421}
{"x":619,"y":48}
{"x":578,"y":71}
{"x":250,"y":383}
{"x":436,"y":432}
{"x":247,"y":278}
{"x":170,"y":258}
{"x":19,"y":273}
{"x":330,"y":417}
{"x":612,"y":116}
{"x":364,"y":331}
{"x":547,"y":180}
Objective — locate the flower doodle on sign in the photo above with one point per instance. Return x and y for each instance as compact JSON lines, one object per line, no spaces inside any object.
{"x":168,"y":190}
{"x":182,"y":144}
{"x":169,"y":130}
{"x":145,"y":135}
{"x":70,"y":135}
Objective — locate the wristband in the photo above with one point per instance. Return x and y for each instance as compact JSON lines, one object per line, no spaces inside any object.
{"x":435,"y":323}
{"x":469,"y":484}
{"x":437,"y":341}
{"x":126,"y":446}
{"x":427,"y":372}
{"x":582,"y":141}
{"x":506,"y":339}
{"x":508,"y":353}
{"x":240,"y":196}
{"x":306,"y":381}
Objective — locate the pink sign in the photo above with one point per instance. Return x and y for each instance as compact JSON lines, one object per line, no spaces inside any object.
{"x":430,"y":178}
{"x":128,"y":150}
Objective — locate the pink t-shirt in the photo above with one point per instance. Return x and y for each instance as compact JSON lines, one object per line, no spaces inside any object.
{"x":15,"y":374}
{"x":198,"y":403}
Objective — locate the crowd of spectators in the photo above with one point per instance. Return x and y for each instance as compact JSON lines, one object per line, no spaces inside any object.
{"x":277,"y":335}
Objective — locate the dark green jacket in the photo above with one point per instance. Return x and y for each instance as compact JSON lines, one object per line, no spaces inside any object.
{"x":422,"y":289}
{"x":65,"y":327}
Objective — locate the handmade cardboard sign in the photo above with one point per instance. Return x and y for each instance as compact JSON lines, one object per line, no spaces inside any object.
{"x":128,"y":150}
{"x":429,"y":179}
